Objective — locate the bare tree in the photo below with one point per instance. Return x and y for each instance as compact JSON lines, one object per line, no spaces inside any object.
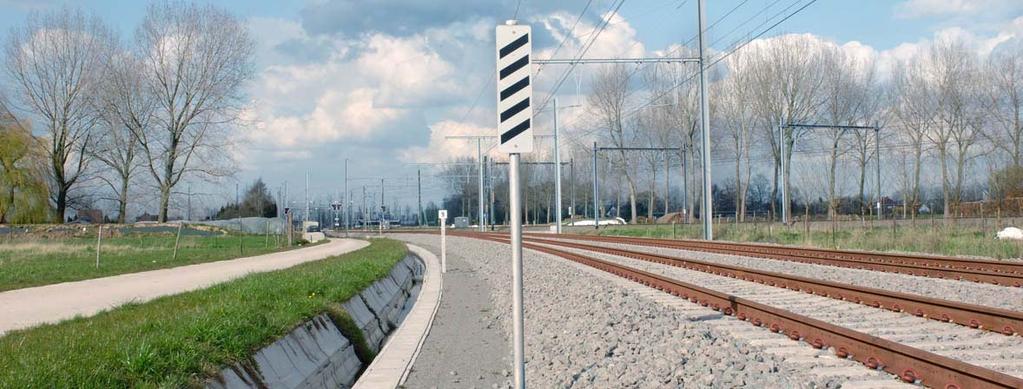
{"x":788,"y":77}
{"x":195,"y":61}
{"x":737,"y":121}
{"x":853,"y":98}
{"x":125,"y":108}
{"x":677,"y":101}
{"x":913,"y":107}
{"x":55,"y":61}
{"x":953,"y":74}
{"x":1004,"y":101}
{"x":607,"y":103}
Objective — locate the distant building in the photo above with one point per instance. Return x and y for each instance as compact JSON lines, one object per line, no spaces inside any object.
{"x":91,"y":216}
{"x":146,"y":217}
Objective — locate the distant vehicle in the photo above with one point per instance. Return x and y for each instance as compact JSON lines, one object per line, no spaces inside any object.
{"x":308,"y":226}
{"x":311,"y":232}
{"x":461,"y":222}
{"x":603,"y":222}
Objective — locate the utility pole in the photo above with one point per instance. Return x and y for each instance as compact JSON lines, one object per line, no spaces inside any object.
{"x":382,"y":206}
{"x":490,"y":173}
{"x":419,"y":184}
{"x":784,"y":183}
{"x":479,"y":160}
{"x":685,"y":187}
{"x":571,"y":178}
{"x":877,"y":153}
{"x":305,"y":217}
{"x":708,"y":202}
{"x":596,"y":196}
{"x":347,"y":202}
{"x":557,"y":171}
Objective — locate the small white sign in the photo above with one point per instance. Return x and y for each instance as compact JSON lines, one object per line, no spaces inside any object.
{"x":443,"y":214}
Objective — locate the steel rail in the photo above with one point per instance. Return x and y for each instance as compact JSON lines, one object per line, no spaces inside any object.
{"x":983,"y":271}
{"x":971,"y":315}
{"x":908,"y":363}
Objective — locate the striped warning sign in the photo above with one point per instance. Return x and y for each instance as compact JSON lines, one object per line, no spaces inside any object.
{"x":514,"y":89}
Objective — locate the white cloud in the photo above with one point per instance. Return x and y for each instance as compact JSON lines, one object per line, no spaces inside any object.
{"x":922,"y":8}
{"x":440,"y":148}
{"x":362,"y":89}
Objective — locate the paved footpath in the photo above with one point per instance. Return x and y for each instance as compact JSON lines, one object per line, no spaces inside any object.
{"x":22,"y":308}
{"x":466,"y":347}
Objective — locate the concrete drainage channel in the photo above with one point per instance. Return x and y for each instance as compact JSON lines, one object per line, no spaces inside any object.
{"x":317,"y":354}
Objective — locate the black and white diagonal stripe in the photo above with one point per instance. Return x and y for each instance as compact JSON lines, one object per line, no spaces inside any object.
{"x":513,"y":88}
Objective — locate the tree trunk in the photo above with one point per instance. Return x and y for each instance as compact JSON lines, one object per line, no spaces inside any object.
{"x":774,"y":190}
{"x":653,"y":194}
{"x":164,"y":203}
{"x":942,"y":154}
{"x":122,"y":202}
{"x":832,"y":172}
{"x":918,"y":157}
{"x":738,"y":188}
{"x":61,"y":204}
{"x":667,"y":185}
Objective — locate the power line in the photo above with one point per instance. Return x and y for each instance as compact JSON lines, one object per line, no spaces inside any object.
{"x":565,"y":38}
{"x":721,"y":58}
{"x":582,"y":53}
{"x":517,"y":5}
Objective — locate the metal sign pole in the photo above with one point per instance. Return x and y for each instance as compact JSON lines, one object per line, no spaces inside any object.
{"x":514,"y":118}
{"x":515,"y":203}
{"x":596,"y":200}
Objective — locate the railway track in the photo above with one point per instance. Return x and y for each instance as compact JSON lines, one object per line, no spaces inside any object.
{"x":986,"y":271}
{"x":912,"y":348}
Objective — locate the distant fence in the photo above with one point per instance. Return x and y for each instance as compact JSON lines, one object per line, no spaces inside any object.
{"x":251,"y":225}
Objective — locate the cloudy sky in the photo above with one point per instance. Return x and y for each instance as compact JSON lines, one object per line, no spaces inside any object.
{"x":382,"y":82}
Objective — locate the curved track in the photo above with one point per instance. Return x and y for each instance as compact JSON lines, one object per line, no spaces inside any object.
{"x":1007,"y":273}
{"x":911,"y":364}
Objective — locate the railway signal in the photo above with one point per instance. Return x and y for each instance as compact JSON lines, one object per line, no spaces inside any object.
{"x":514,"y":125}
{"x":514,"y":88}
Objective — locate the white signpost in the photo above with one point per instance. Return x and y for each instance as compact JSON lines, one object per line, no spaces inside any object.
{"x":514,"y":117}
{"x":442,"y":215}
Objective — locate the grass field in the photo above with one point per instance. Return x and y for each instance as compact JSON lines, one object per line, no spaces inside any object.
{"x":944,"y":240}
{"x":178,"y":341}
{"x":41,"y":261}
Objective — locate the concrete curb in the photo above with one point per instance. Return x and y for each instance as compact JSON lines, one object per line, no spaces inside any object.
{"x":393,"y":363}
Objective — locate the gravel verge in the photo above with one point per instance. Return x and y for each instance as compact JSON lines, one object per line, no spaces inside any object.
{"x":583,"y":331}
{"x":1005,"y":297}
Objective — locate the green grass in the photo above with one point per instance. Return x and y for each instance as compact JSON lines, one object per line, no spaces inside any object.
{"x":33,"y":262}
{"x":179,"y":341}
{"x":943,"y":240}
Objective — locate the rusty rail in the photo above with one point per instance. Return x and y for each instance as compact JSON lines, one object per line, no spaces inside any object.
{"x":985,"y":271}
{"x":908,"y":363}
{"x":975,"y":316}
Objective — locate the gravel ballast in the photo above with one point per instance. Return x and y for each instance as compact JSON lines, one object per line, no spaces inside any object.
{"x":992,"y":350}
{"x":583,"y":330}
